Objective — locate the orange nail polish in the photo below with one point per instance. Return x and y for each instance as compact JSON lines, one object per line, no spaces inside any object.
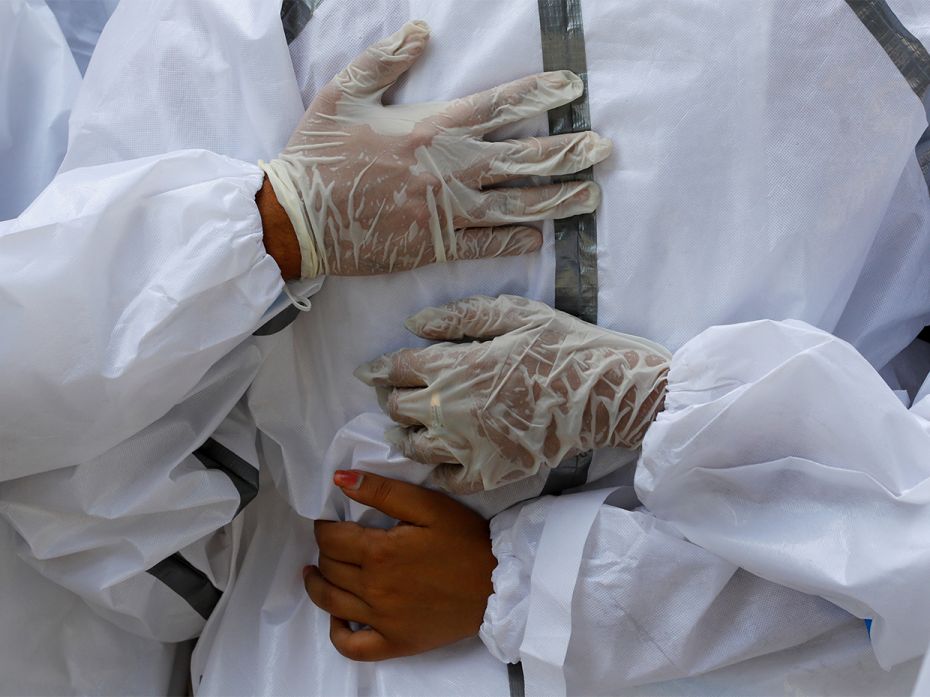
{"x":347,"y":479}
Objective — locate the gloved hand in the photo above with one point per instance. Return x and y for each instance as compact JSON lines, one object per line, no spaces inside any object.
{"x":536,"y":385}
{"x":372,"y":189}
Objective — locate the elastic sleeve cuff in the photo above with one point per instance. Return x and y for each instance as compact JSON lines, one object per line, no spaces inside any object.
{"x":515,"y":534}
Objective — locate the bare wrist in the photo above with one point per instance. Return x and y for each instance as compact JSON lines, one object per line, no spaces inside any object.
{"x":279,"y":237}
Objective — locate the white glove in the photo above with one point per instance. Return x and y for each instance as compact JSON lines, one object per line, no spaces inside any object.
{"x":371,"y":189}
{"x":546,"y":385}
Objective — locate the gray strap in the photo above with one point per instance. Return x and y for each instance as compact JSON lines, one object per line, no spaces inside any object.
{"x":176,"y":572}
{"x":279,"y":322}
{"x":571,"y":472}
{"x":294,"y":16}
{"x":902,"y":47}
{"x":214,"y":455}
{"x":907,"y":53}
{"x":516,"y":680}
{"x":563,"y":48}
{"x":189,"y":582}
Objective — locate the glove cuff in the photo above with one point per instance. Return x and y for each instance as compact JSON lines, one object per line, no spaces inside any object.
{"x":288,"y":195}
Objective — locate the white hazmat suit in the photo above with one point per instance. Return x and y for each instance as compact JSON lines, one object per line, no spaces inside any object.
{"x":770,"y":176}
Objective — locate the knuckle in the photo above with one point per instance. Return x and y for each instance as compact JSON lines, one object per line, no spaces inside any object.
{"x":381,"y":493}
{"x":377,"y":554}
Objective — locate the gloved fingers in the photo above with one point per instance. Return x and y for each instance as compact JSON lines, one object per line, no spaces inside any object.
{"x":382,"y":63}
{"x":335,"y":600}
{"x":489,"y":242}
{"x":551,"y":156}
{"x":408,"y":407}
{"x":346,"y":576}
{"x":398,"y":369}
{"x":525,"y":204}
{"x":489,"y":110}
{"x":476,"y":317}
{"x":419,"y":445}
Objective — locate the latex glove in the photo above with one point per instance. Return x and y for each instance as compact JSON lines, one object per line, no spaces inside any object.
{"x":420,"y":585}
{"x":371,"y":188}
{"x":536,"y":386}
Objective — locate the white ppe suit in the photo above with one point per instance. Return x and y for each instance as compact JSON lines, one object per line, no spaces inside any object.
{"x":739,"y":191}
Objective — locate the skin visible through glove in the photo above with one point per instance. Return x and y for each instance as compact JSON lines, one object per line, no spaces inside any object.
{"x":373,"y":188}
{"x":536,"y":386}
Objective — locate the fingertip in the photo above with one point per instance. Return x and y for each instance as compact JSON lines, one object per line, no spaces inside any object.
{"x":594,"y":196}
{"x":600,"y":148}
{"x":418,"y":323}
{"x":569,"y":80}
{"x":348,"y":480}
{"x":420,"y":26}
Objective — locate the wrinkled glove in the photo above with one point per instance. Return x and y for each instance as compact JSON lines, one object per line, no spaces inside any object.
{"x":372,"y":189}
{"x":535,"y":386}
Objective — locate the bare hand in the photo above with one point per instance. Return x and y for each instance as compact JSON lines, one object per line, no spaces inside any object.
{"x":418,"y":586}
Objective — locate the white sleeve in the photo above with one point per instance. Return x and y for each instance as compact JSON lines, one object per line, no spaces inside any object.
{"x":647,"y":605}
{"x":122,"y":285}
{"x":783,"y":451}
{"x":142,"y":533}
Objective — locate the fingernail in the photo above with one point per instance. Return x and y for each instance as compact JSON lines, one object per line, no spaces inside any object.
{"x":421,"y":25}
{"x":566,"y":78}
{"x":348,"y":479}
{"x":600,"y":148}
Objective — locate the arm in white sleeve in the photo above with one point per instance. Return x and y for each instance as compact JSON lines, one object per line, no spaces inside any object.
{"x":142,"y":533}
{"x":647,"y":605}
{"x":122,"y":285}
{"x":783,"y":451}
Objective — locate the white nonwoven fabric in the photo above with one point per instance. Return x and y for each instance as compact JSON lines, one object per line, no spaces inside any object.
{"x":117,"y":371}
{"x":783,"y":451}
{"x":38,"y":83}
{"x":165,"y":82}
{"x":81,"y":22}
{"x":729,"y":196}
{"x":51,"y":642}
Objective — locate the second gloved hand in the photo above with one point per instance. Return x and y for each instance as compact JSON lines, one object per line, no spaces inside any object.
{"x":534,"y":386}
{"x":372,"y":189}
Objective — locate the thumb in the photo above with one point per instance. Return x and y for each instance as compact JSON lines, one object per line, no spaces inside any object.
{"x":382,"y":64}
{"x":477,"y":317}
{"x":406,"y":502}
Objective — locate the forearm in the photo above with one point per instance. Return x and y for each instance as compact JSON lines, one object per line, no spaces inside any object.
{"x":783,"y":451}
{"x":132,"y":531}
{"x":123,"y":284}
{"x":647,"y":605}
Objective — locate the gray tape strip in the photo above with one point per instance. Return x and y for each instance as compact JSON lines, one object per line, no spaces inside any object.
{"x":907,"y":53}
{"x":188,"y":582}
{"x":516,"y":680}
{"x":563,"y":48}
{"x":294,"y":16}
{"x":562,"y":31}
{"x":571,"y":472}
{"x":902,"y":47}
{"x":214,"y":455}
{"x":279,"y":322}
